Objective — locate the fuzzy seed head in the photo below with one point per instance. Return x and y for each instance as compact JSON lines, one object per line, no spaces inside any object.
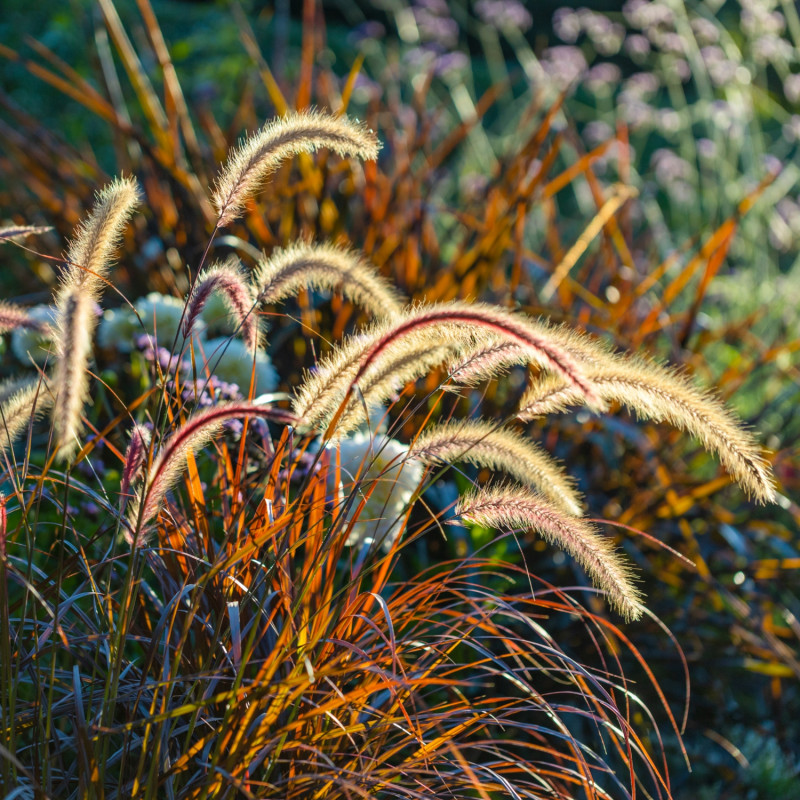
{"x":91,"y":251}
{"x":486,"y":445}
{"x":663,"y":395}
{"x":326,"y":267}
{"x":75,"y":323}
{"x":21,"y":401}
{"x":228,"y":280}
{"x":260,"y":154}
{"x":516,"y":507}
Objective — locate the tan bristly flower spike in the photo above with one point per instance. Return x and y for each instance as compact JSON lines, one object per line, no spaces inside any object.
{"x":75,"y":324}
{"x":516,"y":507}
{"x":657,"y":393}
{"x":13,"y":317}
{"x":198,"y":430}
{"x":326,"y":267}
{"x":14,"y":232}
{"x":89,"y":259}
{"x":409,"y":357}
{"x":91,"y":252}
{"x":20,"y":402}
{"x":259,"y":155}
{"x":484,"y":444}
{"x":534,"y":338}
{"x":226,"y":278}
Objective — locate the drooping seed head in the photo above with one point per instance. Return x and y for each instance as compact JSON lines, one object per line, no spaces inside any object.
{"x":228,"y":280}
{"x":516,"y":507}
{"x":484,"y":444}
{"x":326,"y":267}
{"x":661,"y":394}
{"x":260,"y":154}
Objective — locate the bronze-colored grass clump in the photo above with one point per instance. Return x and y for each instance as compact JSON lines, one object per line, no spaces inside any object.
{"x":271,"y":660}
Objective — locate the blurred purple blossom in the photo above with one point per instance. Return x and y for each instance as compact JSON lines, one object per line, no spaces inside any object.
{"x":648,"y":14}
{"x":567,"y":25}
{"x":637,"y":47}
{"x":670,"y":167}
{"x":705,"y":31}
{"x":596,"y":132}
{"x":791,"y":88}
{"x":504,"y":15}
{"x":706,"y":149}
{"x":564,"y":64}
{"x":602,"y":76}
{"x":450,"y":63}
{"x":435,"y":23}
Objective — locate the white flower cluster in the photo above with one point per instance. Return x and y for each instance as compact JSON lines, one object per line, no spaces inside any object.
{"x":375,"y":466}
{"x":159,"y":317}
{"x":28,"y":344}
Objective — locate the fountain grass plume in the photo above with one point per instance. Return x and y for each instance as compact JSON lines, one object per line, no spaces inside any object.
{"x":321,"y":394}
{"x":135,"y":455}
{"x":662,"y":394}
{"x":75,"y":324}
{"x":198,"y":430}
{"x":259,"y":155}
{"x":484,"y":444}
{"x":21,"y":401}
{"x":91,"y":251}
{"x":486,"y":360}
{"x":326,"y":267}
{"x":228,"y":279}
{"x":13,"y":316}
{"x":518,"y":507}
{"x":13,"y":233}
{"x":516,"y":328}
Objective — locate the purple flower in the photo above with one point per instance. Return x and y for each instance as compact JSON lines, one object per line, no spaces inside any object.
{"x":564,"y":64}
{"x":567,"y":25}
{"x":504,"y":15}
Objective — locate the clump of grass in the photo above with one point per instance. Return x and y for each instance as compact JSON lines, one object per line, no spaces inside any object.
{"x":214,"y":636}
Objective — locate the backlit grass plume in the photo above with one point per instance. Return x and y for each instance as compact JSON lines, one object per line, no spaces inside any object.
{"x":227,"y":279}
{"x":89,"y":259}
{"x":21,"y":401}
{"x":91,"y":252}
{"x":75,"y":324}
{"x":516,"y":507}
{"x":13,"y":316}
{"x":484,"y":444}
{"x":661,"y":394}
{"x":535,"y":339}
{"x":13,"y":233}
{"x":198,"y":430}
{"x":370,"y":368}
{"x":260,"y":154}
{"x":327,"y":267}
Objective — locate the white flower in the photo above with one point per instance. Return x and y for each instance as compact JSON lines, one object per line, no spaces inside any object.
{"x":232,"y":362}
{"x":217,"y":317}
{"x":25,"y":341}
{"x":387,"y":476}
{"x":118,"y":329}
{"x":160,"y":318}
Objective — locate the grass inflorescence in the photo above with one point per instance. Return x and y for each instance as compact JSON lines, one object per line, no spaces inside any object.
{"x":234,"y":623}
